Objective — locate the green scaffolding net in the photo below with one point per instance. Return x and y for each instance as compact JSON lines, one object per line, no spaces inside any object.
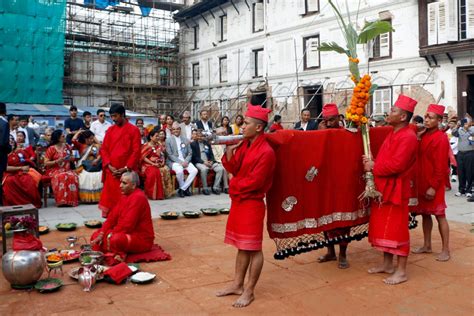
{"x":32,"y":51}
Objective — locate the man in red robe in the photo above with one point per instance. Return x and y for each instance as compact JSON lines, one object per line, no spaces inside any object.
{"x":393,"y":169}
{"x":432,"y":179}
{"x":251,"y":162}
{"x":120,"y":152}
{"x":128,"y":228}
{"x":331,"y":121}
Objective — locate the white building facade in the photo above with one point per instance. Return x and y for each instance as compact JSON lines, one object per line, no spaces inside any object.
{"x":267,"y":51}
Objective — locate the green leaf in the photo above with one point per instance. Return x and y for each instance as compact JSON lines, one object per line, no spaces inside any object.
{"x":373,"y":29}
{"x":354,"y":69}
{"x":373,"y":88}
{"x":351,"y":39}
{"x":332,"y":46}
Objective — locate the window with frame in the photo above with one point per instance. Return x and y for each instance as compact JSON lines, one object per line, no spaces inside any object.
{"x":257,"y":63}
{"x":307,"y":6}
{"x":381,"y":46}
{"x":257,"y":16}
{"x":195,"y":107}
{"x":311,"y":52}
{"x":196,"y":37}
{"x":224,"y":107}
{"x":381,"y":101}
{"x":164,"y":76}
{"x":221,"y":28}
{"x":465,"y":14}
{"x":450,"y":20}
{"x":195,"y":74}
{"x":223,"y":69}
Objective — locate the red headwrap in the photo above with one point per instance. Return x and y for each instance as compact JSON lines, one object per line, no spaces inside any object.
{"x":257,"y":112}
{"x":405,"y":103}
{"x":330,"y":109}
{"x":436,"y":108}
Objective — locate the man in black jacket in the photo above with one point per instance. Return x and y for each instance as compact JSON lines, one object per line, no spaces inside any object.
{"x":306,"y":123}
{"x":203,"y":159}
{"x":4,"y":144}
{"x":204,"y":124}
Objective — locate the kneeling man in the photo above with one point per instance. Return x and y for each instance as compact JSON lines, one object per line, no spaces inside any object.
{"x":128,"y":228}
{"x":251,"y":162}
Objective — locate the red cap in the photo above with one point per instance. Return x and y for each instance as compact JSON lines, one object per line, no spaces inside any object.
{"x":405,"y":103}
{"x":330,"y":109}
{"x":436,"y":108}
{"x":257,"y":112}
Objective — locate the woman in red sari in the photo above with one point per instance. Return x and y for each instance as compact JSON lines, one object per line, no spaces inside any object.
{"x":153,"y":168}
{"x":57,"y":161}
{"x":20,"y":182}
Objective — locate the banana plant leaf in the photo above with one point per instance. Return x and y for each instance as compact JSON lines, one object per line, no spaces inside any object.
{"x":373,"y":29}
{"x":333,"y":47}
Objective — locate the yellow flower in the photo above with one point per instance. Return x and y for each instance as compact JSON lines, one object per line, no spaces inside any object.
{"x":363,"y":120}
{"x":8,"y":226}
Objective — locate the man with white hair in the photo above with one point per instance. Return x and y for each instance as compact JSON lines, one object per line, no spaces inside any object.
{"x":128,"y":228}
{"x":179,"y":159}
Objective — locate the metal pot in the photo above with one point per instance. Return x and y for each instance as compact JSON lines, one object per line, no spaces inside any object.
{"x":23,"y":267}
{"x":87,"y":278}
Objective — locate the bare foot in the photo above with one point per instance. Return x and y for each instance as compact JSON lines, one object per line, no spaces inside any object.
{"x":381,"y":269}
{"x":443,"y":256}
{"x":244,"y":300}
{"x":327,"y":257}
{"x":423,"y":249}
{"x":231,"y":290}
{"x":343,"y":263}
{"x":396,"y":278}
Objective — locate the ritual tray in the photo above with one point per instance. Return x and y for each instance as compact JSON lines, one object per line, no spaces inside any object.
{"x":192,"y":214}
{"x":143,"y":277}
{"x":224,"y":211}
{"x":65,"y":256}
{"x":210,"y":211}
{"x":43,"y":230}
{"x":169,"y":215}
{"x":66,"y":227}
{"x":93,"y":223}
{"x":48,"y":285}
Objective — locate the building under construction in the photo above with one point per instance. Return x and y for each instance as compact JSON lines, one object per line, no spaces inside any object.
{"x":124,"y":53}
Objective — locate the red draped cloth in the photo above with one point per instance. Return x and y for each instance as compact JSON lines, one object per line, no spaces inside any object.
{"x":327,"y":202}
{"x":393,"y":172}
{"x":432,"y":172}
{"x":151,"y":173}
{"x":20,"y":187}
{"x":64,"y":182}
{"x":129,"y":227}
{"x":121,"y":148}
{"x":252,"y":167}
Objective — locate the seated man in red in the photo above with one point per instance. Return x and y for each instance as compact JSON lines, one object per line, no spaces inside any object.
{"x":128,"y":228}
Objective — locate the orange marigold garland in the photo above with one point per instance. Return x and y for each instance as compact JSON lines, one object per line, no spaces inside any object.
{"x":361,"y":94}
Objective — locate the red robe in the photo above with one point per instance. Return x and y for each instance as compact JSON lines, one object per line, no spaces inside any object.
{"x":121,"y":148}
{"x":432,"y":172}
{"x":20,"y":187}
{"x":393,"y":170}
{"x":129,"y":227}
{"x":252,"y":168}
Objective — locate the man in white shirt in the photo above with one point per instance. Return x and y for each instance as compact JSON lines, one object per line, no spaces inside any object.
{"x":179,"y":158}
{"x":186,"y":125}
{"x":100,"y":126}
{"x":13,"y":124}
{"x":31,"y":138}
{"x":204,"y":123}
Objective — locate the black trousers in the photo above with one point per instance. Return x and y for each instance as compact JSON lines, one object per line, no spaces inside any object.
{"x":465,"y":161}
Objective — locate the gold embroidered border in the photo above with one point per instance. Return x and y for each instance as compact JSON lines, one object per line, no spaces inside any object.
{"x":323,"y":220}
